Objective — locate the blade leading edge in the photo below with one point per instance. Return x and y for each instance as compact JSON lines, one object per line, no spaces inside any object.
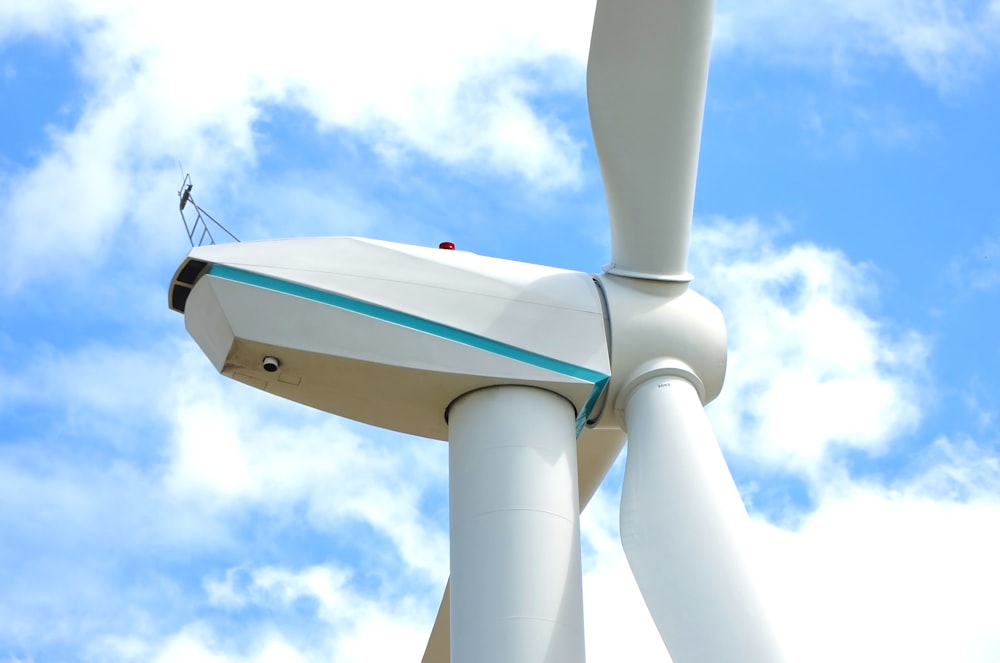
{"x":646,"y":81}
{"x":684,"y":531}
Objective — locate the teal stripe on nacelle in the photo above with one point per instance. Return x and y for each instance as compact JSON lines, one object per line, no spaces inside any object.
{"x":597,"y":379}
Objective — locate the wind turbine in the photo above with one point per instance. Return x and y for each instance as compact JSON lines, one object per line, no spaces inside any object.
{"x":533,"y":375}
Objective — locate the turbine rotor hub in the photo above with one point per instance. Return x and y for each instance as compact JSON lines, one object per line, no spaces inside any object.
{"x":660,"y":328}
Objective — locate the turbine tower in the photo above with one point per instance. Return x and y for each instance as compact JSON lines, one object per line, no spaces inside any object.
{"x":534,"y":375}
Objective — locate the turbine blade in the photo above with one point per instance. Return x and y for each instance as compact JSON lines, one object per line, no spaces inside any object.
{"x":439,"y":644}
{"x":683,"y":528}
{"x":646,"y":81}
{"x":597,"y":450}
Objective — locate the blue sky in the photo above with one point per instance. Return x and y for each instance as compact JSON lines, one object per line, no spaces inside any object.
{"x":846,"y":223}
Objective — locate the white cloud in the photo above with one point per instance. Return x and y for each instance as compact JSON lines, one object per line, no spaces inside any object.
{"x":848,"y":129}
{"x":979,"y":269}
{"x":255,"y":451}
{"x":204,"y":455}
{"x":354,"y":626}
{"x":19,"y":17}
{"x":89,"y":385}
{"x":199,"y":644}
{"x":452,"y":81}
{"x":810,"y":371}
{"x":445,"y":80}
{"x":892,"y":573}
{"x":946,"y":44}
{"x":903,"y":571}
{"x":618,"y":625}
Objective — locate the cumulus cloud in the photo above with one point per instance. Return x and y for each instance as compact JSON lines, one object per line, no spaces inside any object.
{"x":194,"y":456}
{"x":443,"y":80}
{"x":63,"y":383}
{"x":277,"y":458}
{"x":199,"y":644}
{"x":810,"y":370}
{"x":876,"y":572}
{"x":453,"y":82}
{"x":944,"y":43}
{"x":312,"y":614}
{"x":904,"y":572}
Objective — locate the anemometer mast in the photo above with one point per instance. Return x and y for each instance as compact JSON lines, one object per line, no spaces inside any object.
{"x":199,"y":232}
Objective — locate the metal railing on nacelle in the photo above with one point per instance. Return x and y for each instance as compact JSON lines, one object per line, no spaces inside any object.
{"x":200,"y":227}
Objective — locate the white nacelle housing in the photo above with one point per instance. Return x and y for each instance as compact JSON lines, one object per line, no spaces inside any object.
{"x":391,"y":334}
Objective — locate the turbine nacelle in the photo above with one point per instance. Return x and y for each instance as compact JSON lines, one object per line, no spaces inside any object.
{"x":390,"y":334}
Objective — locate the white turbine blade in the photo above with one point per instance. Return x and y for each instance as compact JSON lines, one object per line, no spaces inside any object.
{"x":646,"y":82}
{"x":439,"y":643}
{"x":597,"y":450}
{"x":683,"y":528}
